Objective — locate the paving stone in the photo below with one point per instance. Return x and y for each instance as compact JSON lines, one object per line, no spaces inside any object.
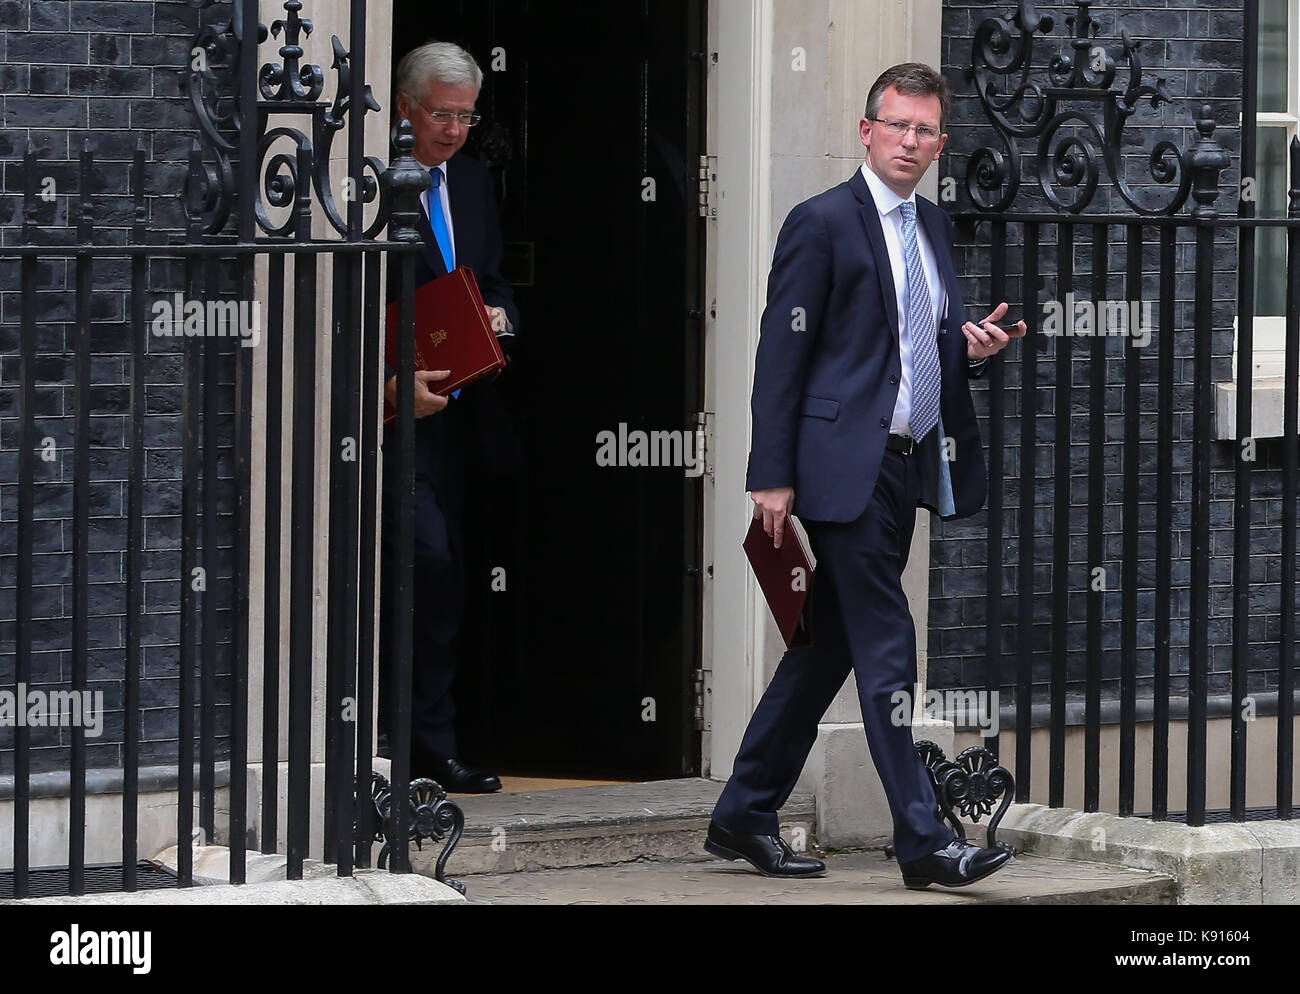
{"x":863,"y":877}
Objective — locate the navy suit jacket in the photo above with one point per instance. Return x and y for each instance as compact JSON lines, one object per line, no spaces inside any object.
{"x":477,"y":232}
{"x":828,"y":367}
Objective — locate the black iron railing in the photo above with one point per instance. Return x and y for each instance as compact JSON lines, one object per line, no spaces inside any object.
{"x":1061,"y":132}
{"x":255,"y":190}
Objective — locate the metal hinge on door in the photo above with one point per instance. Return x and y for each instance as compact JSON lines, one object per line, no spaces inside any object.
{"x":708,"y":186}
{"x":703,"y":690}
{"x":704,"y":441}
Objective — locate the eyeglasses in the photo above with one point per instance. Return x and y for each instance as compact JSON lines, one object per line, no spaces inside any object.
{"x":441,"y":117}
{"x":924,"y":133}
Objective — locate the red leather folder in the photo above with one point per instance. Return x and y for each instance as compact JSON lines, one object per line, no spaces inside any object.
{"x":786,"y":578}
{"x":452,"y":331}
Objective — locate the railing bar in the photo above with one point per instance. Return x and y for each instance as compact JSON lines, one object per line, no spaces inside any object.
{"x":241,"y":485}
{"x":207,"y":245}
{"x":243,"y":467}
{"x":1199,"y":591}
{"x":273,"y":543}
{"x":1100,"y":252}
{"x":81,"y":528}
{"x":403,"y":568}
{"x":1061,"y":528}
{"x":210,"y":566}
{"x":1290,"y":398}
{"x":346,"y":744}
{"x":303,"y":535}
{"x":1028,"y":494}
{"x":1168,"y":344}
{"x":372,"y":344}
{"x":26,"y":504}
{"x":1241,"y":516}
{"x":997,"y":404}
{"x":135,"y":538}
{"x":1161,"y":221}
{"x":189,"y":561}
{"x":349,"y":744}
{"x":1131,"y":525}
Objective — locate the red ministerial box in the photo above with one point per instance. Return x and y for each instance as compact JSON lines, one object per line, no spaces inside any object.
{"x":786,"y":578}
{"x":452,"y":331}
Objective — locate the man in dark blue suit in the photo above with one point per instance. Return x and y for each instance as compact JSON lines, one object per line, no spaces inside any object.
{"x":438,"y":86}
{"x":861,"y":413}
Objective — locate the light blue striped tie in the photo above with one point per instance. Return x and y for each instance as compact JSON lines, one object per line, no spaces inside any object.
{"x":926,"y":375}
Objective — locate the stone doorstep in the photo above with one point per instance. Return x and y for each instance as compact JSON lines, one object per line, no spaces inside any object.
{"x":1231,"y":863}
{"x":594,"y":826}
{"x":364,"y":887}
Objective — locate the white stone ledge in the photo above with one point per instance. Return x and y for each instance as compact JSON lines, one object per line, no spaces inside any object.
{"x":1255,"y":862}
{"x":1266,"y":409}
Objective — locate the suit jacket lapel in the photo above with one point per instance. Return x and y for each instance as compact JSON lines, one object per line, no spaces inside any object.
{"x":876,"y":236}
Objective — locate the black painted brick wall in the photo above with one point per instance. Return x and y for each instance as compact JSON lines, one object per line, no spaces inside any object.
{"x":1196,"y":48}
{"x":104,"y":73}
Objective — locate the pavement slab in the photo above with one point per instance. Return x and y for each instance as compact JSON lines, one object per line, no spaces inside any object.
{"x":854,"y":878}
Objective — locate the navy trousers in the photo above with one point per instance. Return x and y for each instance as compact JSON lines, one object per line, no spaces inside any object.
{"x":439,"y":583}
{"x":860,"y":622}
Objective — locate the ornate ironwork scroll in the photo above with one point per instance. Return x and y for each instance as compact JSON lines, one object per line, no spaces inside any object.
{"x":1070,"y":144}
{"x":289,"y":88}
{"x":968,"y":787}
{"x":210,"y":81}
{"x":431,"y":816}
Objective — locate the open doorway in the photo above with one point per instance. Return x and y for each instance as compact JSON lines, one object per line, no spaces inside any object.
{"x":582,"y":627}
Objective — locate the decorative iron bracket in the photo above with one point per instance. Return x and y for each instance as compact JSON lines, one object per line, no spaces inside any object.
{"x":968,"y":787}
{"x":431,"y":816}
{"x":288,"y":88}
{"x":1069,"y":142}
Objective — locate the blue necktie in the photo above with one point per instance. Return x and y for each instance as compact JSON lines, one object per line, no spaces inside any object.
{"x":926,"y":375}
{"x":438,"y":221}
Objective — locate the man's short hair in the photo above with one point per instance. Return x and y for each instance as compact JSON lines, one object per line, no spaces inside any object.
{"x":911,"y":79}
{"x":437,"y":61}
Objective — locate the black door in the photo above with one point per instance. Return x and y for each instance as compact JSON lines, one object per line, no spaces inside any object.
{"x":582,"y":664}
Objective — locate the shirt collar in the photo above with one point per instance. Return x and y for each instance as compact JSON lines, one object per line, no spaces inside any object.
{"x":442,"y":169}
{"x":887,"y":201}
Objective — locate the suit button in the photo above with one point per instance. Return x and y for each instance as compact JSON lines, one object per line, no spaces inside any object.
{"x":884,"y":423}
{"x":893,"y":380}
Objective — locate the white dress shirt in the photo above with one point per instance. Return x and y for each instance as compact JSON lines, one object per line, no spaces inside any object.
{"x":891,"y":220}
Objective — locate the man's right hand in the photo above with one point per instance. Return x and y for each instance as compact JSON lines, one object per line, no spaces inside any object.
{"x":426,"y":401}
{"x":773,"y":507}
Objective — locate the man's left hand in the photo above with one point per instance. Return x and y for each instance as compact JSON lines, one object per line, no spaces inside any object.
{"x":497,"y":318}
{"x":986,"y":338}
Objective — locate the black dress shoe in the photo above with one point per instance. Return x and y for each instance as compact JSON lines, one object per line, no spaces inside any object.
{"x":768,"y":854}
{"x":955,"y":865}
{"x":454,"y":777}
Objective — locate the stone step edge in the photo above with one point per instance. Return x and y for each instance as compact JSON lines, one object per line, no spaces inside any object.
{"x":567,"y":828}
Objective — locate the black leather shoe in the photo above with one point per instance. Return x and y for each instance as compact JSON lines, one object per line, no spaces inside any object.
{"x":454,"y":777}
{"x":768,"y":854}
{"x":955,"y":865}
